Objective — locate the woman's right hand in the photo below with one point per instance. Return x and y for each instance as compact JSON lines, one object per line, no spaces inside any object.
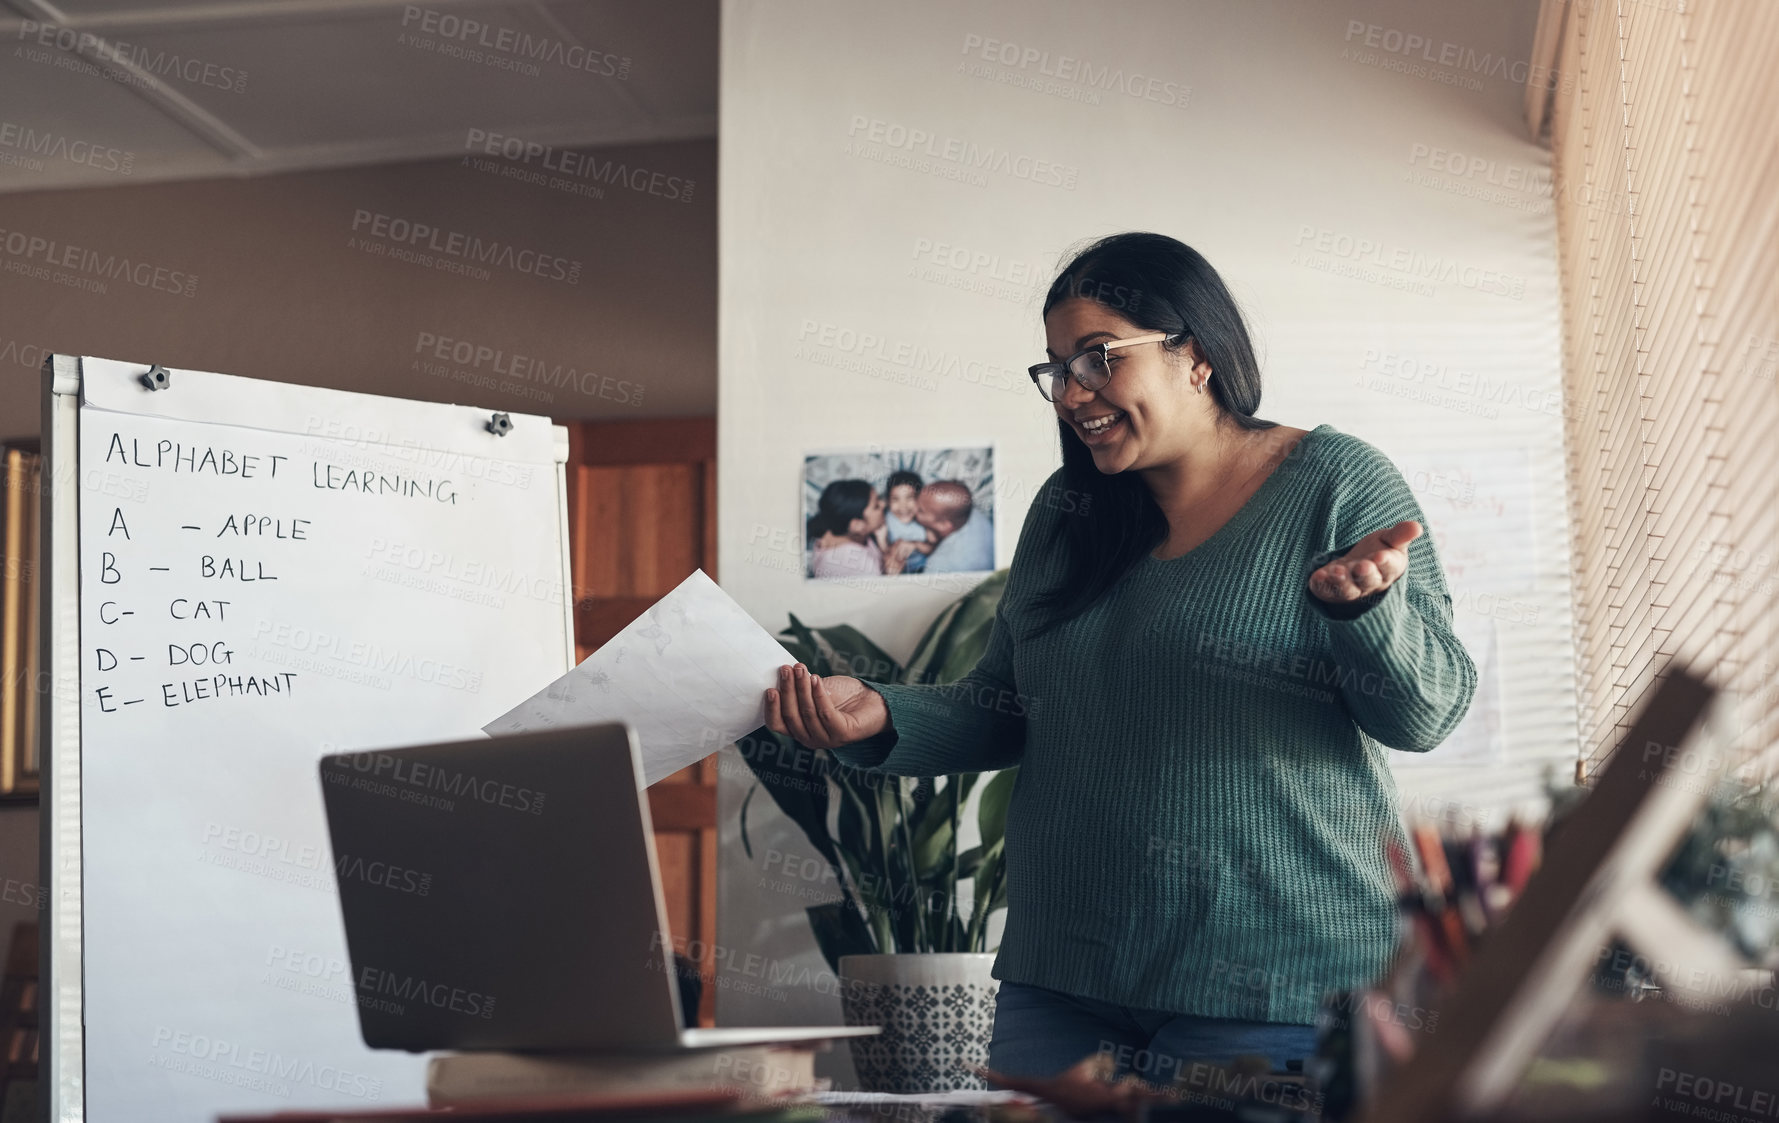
{"x":824,"y":712}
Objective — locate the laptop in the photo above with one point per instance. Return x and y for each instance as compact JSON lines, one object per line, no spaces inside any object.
{"x":504,"y":894}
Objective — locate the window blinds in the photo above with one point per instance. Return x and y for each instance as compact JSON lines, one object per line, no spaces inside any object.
{"x":1664,"y":126}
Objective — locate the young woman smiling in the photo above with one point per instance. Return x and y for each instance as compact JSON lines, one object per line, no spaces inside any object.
{"x":1216,"y":627}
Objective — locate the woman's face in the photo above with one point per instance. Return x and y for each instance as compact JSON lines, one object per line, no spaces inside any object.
{"x":1149,"y":396}
{"x":873,"y":516}
{"x":902,"y":502}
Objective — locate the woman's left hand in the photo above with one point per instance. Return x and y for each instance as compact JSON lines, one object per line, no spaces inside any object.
{"x":1371,"y":566}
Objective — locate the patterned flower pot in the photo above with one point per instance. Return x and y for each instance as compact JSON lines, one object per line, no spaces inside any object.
{"x":937,"y":1011}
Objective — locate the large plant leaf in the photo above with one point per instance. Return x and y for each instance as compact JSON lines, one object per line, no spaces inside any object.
{"x":850,"y":653}
{"x":894,"y":845}
{"x":799,"y":651}
{"x":920,"y":795}
{"x":793,"y":775}
{"x":930,"y":649}
{"x":897,"y":885}
{"x":991,"y":810}
{"x":839,"y":930}
{"x":959,"y":635}
{"x":969,"y":862}
{"x":874,"y":915}
{"x":961,"y":657}
{"x":929,"y":858}
{"x":988,"y":873}
{"x":746,"y":846}
{"x":959,"y":936}
{"x":935,"y":837}
{"x":812,"y":655}
{"x":857,"y":825}
{"x":868,"y":821}
{"x":954,"y":642}
{"x":909,"y":874}
{"x":966,"y":783}
{"x":937,"y":862}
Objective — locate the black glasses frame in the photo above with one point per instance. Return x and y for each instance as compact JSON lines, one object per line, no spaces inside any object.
{"x":1090,"y":367}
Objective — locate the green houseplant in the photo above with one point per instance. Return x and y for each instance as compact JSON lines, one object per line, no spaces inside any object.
{"x":890,"y":841}
{"x":907,"y":957}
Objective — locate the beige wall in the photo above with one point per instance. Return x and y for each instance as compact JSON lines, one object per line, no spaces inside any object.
{"x":282,"y":293}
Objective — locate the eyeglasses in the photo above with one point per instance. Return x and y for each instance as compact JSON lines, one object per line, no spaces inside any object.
{"x":1091,"y":367}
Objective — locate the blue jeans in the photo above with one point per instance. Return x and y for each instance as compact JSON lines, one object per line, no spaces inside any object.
{"x":1041,"y":1032}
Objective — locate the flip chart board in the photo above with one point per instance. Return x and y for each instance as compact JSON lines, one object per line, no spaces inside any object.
{"x":245,"y":576}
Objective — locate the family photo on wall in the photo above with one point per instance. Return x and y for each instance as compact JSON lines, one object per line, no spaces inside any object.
{"x":897,"y":512}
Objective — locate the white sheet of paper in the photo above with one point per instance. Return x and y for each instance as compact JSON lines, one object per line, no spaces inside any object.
{"x":1478,"y":504}
{"x":690,"y":675}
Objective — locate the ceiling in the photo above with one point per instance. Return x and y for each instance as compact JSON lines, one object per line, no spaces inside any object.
{"x":111,"y":92}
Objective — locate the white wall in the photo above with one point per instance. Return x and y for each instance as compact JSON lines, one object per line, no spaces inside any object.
{"x":1271,"y":128}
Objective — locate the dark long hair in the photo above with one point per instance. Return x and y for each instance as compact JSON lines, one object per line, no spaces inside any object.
{"x":899,"y":477}
{"x":1159,"y":284}
{"x":842,"y":501}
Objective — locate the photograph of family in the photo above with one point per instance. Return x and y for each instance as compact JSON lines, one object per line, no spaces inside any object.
{"x":897,"y":512}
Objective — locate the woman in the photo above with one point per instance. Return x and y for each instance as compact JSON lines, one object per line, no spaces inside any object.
{"x":844,"y":530}
{"x":1213,"y":629}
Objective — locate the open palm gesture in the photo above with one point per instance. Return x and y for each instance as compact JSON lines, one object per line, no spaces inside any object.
{"x":1371,"y":566}
{"x":823,"y":713}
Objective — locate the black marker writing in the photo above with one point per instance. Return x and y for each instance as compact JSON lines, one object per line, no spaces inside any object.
{"x":178,"y":457}
{"x":235,"y":569}
{"x":225,"y":686}
{"x":183,"y":609}
{"x":264,"y":526}
{"x":332,"y":477}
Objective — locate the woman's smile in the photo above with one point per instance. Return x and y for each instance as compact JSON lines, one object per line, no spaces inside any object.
{"x":1103,"y":428}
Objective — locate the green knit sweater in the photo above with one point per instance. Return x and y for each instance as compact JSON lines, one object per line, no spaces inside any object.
{"x":1203,"y":796}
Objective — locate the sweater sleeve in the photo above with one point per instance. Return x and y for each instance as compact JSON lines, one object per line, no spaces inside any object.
{"x":976,"y":724}
{"x":1404,"y":676}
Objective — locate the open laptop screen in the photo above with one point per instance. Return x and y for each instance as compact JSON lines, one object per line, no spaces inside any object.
{"x":502,"y":894}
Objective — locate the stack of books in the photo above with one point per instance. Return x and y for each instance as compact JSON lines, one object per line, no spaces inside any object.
{"x":769,"y":1083}
{"x":761,"y":1074}
{"x":715,"y":1106}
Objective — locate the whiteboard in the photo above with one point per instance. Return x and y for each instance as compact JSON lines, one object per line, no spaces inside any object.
{"x":244,"y":577}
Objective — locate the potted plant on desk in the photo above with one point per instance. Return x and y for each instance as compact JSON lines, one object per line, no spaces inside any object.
{"x":906,"y":955}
